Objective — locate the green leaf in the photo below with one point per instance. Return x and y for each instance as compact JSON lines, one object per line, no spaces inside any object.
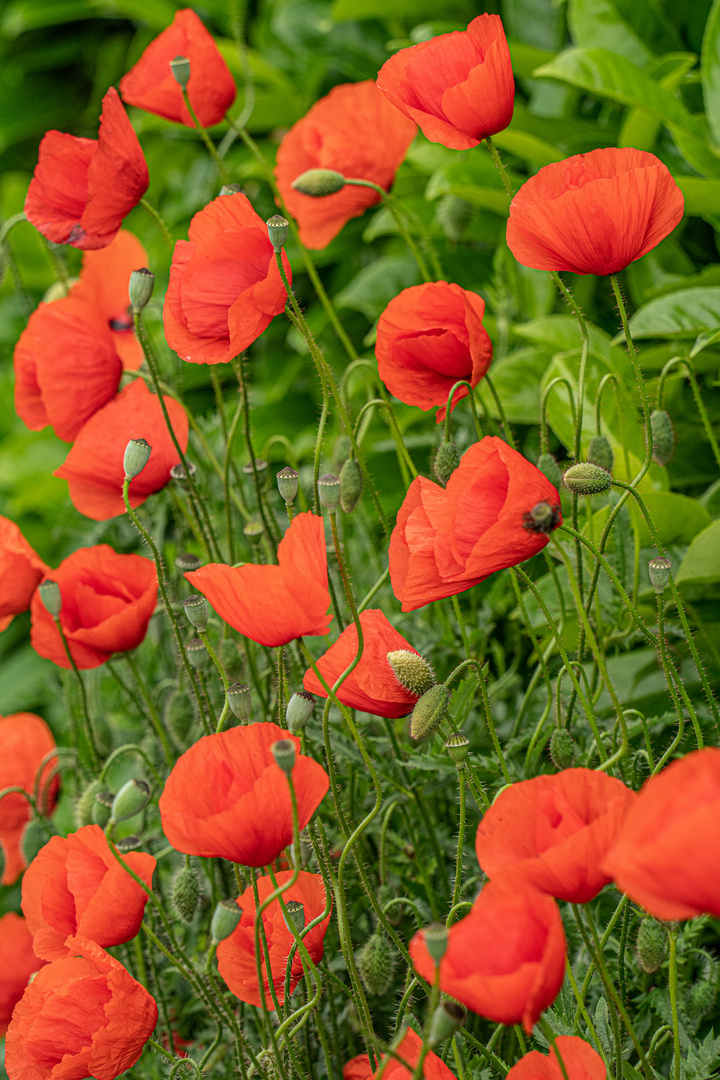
{"x":701,"y":564}
{"x":634,"y":29}
{"x":681,"y":314}
{"x":374,"y":287}
{"x":416,"y":10}
{"x":537,"y":152}
{"x":517,"y":381}
{"x":677,"y":518}
{"x":701,"y":196}
{"x":710,"y":70}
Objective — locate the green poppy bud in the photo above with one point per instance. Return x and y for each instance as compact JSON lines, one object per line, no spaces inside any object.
{"x":319,"y":182}
{"x":562,"y":748}
{"x":299,"y":710}
{"x":329,"y":491}
{"x":137,"y":455}
{"x":132,"y":797}
{"x":446,"y":1019}
{"x":600,"y":452}
{"x":277,"y":228}
{"x":376,"y":964}
{"x":455,"y":216}
{"x":225,"y":919}
{"x":663,"y":436}
{"x":587,"y":479}
{"x":429,"y":712}
{"x":287,"y":482}
{"x":351,"y":485}
{"x":295,"y":915}
{"x":185,"y":893}
{"x":179,"y":714}
{"x":180,"y":68}
{"x":140,"y":288}
{"x":412,"y":671}
{"x":34,"y":837}
{"x":240,"y":701}
{"x":436,"y":940}
{"x":652,"y":944}
{"x":457,"y":748}
{"x":446,"y":461}
{"x":659,"y":571}
{"x":548,"y":466}
{"x":51,"y":597}
{"x":85,"y":806}
{"x":196,"y":652}
{"x":284,"y":753}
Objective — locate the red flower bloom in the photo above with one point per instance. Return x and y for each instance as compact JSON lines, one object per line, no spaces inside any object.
{"x":94,"y":466}
{"x":82,"y":188}
{"x":21,"y":571}
{"x":75,"y":886}
{"x":428,"y":338}
{"x":226,"y":797}
{"x":448,"y":539}
{"x":667,"y":854}
{"x":580,"y":1060}
{"x":434,"y":1068}
{"x":354,"y":131}
{"x":506,"y":959}
{"x":225,"y":287}
{"x":459,"y":87}
{"x":552,"y":832}
{"x":273,"y":605}
{"x":151,"y":85}
{"x":82,"y":1016}
{"x":371,"y":686}
{"x":594,"y":213}
{"x":107,"y":601}
{"x":17,"y":964}
{"x":25,"y":739}
{"x":236,"y":954}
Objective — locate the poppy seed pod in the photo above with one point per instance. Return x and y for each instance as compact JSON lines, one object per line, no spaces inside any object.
{"x":457,"y":747}
{"x":137,"y":454}
{"x":446,"y":1019}
{"x":51,"y":596}
{"x":319,"y":182}
{"x":329,"y":491}
{"x":436,"y":941}
{"x":412,"y":670}
{"x":240,"y":701}
{"x":294,"y":915}
{"x":225,"y":919}
{"x":659,"y":571}
{"x":585,"y":478}
{"x":197,"y":611}
{"x":140,"y":288}
{"x":287,"y":482}
{"x":284,"y":753}
{"x":180,"y":70}
{"x":277,"y":227}
{"x":299,"y":710}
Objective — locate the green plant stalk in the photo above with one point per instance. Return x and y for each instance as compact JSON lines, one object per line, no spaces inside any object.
{"x":209,"y":144}
{"x":499,"y":164}
{"x":461,"y":840}
{"x":234,"y":423}
{"x":270,"y":529}
{"x":404,"y":458}
{"x":692,"y":376}
{"x":400,"y":220}
{"x":150,"y":706}
{"x":639,"y":379}
{"x":150,"y":209}
{"x":87,"y":723}
{"x":432,"y":1006}
{"x":501,"y":410}
{"x":128,"y":748}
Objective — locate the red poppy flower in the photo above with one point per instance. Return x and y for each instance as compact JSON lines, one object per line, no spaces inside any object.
{"x":94,"y":466}
{"x":236,"y":954}
{"x":553,"y":832}
{"x":21,"y":571}
{"x":428,"y":338}
{"x":506,"y":959}
{"x":372,"y":686}
{"x":273,"y":605}
{"x":81,"y":1016}
{"x":151,"y":85}
{"x":594,"y":213}
{"x":107,"y":601}
{"x":459,"y":87}
{"x":82,"y":188}
{"x":354,"y":131}
{"x":225,"y":287}
{"x":448,"y":539}
{"x":668,"y":851}
{"x":75,"y":886}
{"x":434,"y":1068}
{"x":17,"y":964}
{"x":226,"y":797}
{"x":25,"y":739}
{"x":580,"y":1060}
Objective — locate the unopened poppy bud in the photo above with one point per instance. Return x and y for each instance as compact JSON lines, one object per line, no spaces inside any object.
{"x":299,"y":710}
{"x":140,"y":288}
{"x":412,"y":671}
{"x":179,"y":714}
{"x":196,"y":652}
{"x":543,"y":518}
{"x":319,"y":182}
{"x":659,"y":570}
{"x":187,"y":561}
{"x":600,"y":452}
{"x":137,"y":455}
{"x":548,"y":466}
{"x":225,"y":919}
{"x":446,"y":461}
{"x":351,"y":485}
{"x":230,"y":189}
{"x":663,"y":436}
{"x":585,"y":478}
{"x":287,"y":482}
{"x":284,"y":753}
{"x":185,"y":894}
{"x":652,"y":944}
{"x":436,"y":940}
{"x":296,"y":915}
{"x":197,"y":611}
{"x":178,"y":471}
{"x":240,"y":701}
{"x":446,"y":1019}
{"x":455,"y":216}
{"x":429,"y":711}
{"x":253,"y":530}
{"x":562,"y":748}
{"x":34,"y":837}
{"x":51,"y":597}
{"x":180,"y":68}
{"x":132,"y":797}
{"x":277,"y":228}
{"x":457,"y":748}
{"x":329,"y":491}
{"x":341,"y":452}
{"x":700,"y":1000}
{"x":86,"y":803}
{"x":376,"y":963}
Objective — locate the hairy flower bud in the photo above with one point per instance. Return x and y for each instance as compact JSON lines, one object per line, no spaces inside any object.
{"x":299,"y":710}
{"x":652,"y":944}
{"x":663,"y":436}
{"x":548,"y":466}
{"x":351,"y":485}
{"x":87,"y":806}
{"x":376,"y":963}
{"x":179,"y":714}
{"x":35,"y":836}
{"x":140,"y":288}
{"x":412,"y":671}
{"x":585,"y":478}
{"x":446,"y":461}
{"x":231,"y":659}
{"x":185,"y":893}
{"x":600,"y":452}
{"x":429,"y":712}
{"x":197,"y":611}
{"x":137,"y":454}
{"x":319,"y":182}
{"x":700,"y":999}
{"x":659,"y":571}
{"x":562,"y":748}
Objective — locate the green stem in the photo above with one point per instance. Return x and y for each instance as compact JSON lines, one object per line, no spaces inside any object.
{"x":461,"y":840}
{"x":89,"y":733}
{"x":149,"y":209}
{"x":504,"y":175}
{"x":149,"y":704}
{"x":209,"y":144}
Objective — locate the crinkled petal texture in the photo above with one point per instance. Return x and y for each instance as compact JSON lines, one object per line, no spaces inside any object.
{"x":82,"y":188}
{"x":17,"y":964}
{"x":667,"y":855}
{"x":236,"y":954}
{"x":81,"y":1016}
{"x":506,"y":959}
{"x":25,"y":739}
{"x":447,"y":540}
{"x":553,"y":832}
{"x":354,"y":131}
{"x":579,"y":1059}
{"x":75,"y":886}
{"x":227,"y":798}
{"x":434,"y":1068}
{"x":458,"y":87}
{"x":21,"y":571}
{"x":594,"y":213}
{"x":371,"y":686}
{"x":107,"y":602}
{"x":273,"y":605}
{"x":225,"y":286}
{"x":151,"y":85}
{"x":94,"y":466}
{"x":428,"y":338}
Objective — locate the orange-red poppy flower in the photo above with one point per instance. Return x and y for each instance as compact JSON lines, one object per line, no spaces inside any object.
{"x":151,"y":85}
{"x":236,"y":954}
{"x":506,"y":959}
{"x":580,"y":1060}
{"x":594,"y":213}
{"x":225,"y":287}
{"x":371,"y":686}
{"x":353,"y":131}
{"x":107,"y":602}
{"x":428,"y":338}
{"x":554,"y":831}
{"x":75,"y":886}
{"x":434,"y":1068}
{"x":667,"y":854}
{"x":458,"y":87}
{"x":496,"y":511}
{"x":17,"y":964}
{"x":25,"y":739}
{"x":273,"y":605}
{"x":82,"y":188}
{"x":226,"y":798}
{"x":81,"y":1016}
{"x":21,"y":571}
{"x":94,"y":466}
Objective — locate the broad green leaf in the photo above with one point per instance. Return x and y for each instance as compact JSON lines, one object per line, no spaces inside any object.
{"x":517,"y":382}
{"x":400,"y":9}
{"x":33,"y":14}
{"x":640,"y":129}
{"x":696,"y":147}
{"x":686,"y":313}
{"x":701,"y":563}
{"x":677,"y":518}
{"x":374,"y":287}
{"x":155,"y":13}
{"x":537,"y":22}
{"x":710,"y":70}
{"x":632,"y":28}
{"x":537,"y":152}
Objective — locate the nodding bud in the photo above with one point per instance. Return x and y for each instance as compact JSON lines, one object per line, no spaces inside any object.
{"x":284,"y":753}
{"x":446,"y":1019}
{"x":299,"y":710}
{"x":34,"y":837}
{"x":137,"y":455}
{"x":550,"y":469}
{"x":226,"y":917}
{"x":329,"y":491}
{"x":130,"y":800}
{"x":51,"y":597}
{"x":187,"y":561}
{"x":295,"y":915}
{"x":287,"y":482}
{"x":180,"y":68}
{"x":240,"y":701}
{"x":277,"y":228}
{"x":663,"y":436}
{"x":412,"y":671}
{"x":319,"y":182}
{"x":457,"y":748}
{"x":446,"y":461}
{"x":230,"y":189}
{"x":652,"y":944}
{"x":600,"y":452}
{"x":429,"y":712}
{"x":376,"y":963}
{"x":659,"y":570}
{"x":562,"y":748}
{"x":185,"y":894}
{"x":585,"y":478}
{"x":196,"y":652}
{"x":140,"y":288}
{"x":351,"y":485}
{"x":436,"y":940}
{"x":197,"y":611}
